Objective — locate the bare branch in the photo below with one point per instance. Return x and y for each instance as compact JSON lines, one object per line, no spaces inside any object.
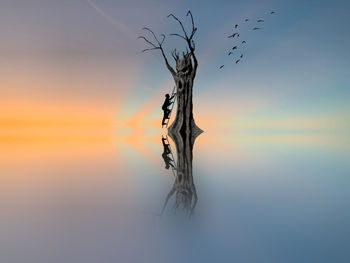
{"x":195,"y":197}
{"x":167,"y":199}
{"x":154,"y":35}
{"x":193,"y":32}
{"x":188,"y":40}
{"x":175,"y":55}
{"x":190,"y":13}
{"x":148,"y":49}
{"x":158,"y":46}
{"x":178,"y":35}
{"x":183,"y":29}
{"x":149,"y":42}
{"x":161,"y":42}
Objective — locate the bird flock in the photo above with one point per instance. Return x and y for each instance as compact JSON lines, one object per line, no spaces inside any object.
{"x":236,"y":35}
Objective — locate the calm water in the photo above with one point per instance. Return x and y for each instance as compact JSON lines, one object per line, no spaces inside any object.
{"x":267,"y":198}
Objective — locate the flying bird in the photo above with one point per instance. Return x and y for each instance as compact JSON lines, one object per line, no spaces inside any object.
{"x":260,"y":20}
{"x":233,"y":35}
{"x":229,"y":53}
{"x":221,"y":66}
{"x":238,"y":61}
{"x":241,"y":56}
{"x":238,"y":35}
{"x":235,"y":47}
{"x":246,"y":20}
{"x":236,"y":26}
{"x":272,"y":12}
{"x":243,"y":42}
{"x":256,"y":28}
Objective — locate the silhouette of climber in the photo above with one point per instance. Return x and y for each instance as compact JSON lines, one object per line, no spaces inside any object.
{"x":168,"y":161}
{"x":165,"y":107}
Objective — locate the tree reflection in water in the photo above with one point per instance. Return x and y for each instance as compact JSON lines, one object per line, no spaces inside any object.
{"x":183,"y":188}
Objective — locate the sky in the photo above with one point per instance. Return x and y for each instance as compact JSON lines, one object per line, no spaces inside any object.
{"x":75,"y":67}
{"x":80,"y":113}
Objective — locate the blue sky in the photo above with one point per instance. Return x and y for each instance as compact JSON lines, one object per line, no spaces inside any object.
{"x":87,"y":51}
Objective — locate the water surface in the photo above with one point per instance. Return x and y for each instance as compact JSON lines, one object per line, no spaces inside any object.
{"x":261,"y":198}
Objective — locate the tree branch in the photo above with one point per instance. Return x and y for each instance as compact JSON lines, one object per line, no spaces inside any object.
{"x":167,"y":199}
{"x":149,"y":42}
{"x":149,"y":30}
{"x":178,"y":35}
{"x":182,"y":26}
{"x":148,"y":49}
{"x":189,"y":40}
{"x":162,"y":35}
{"x":175,"y":55}
{"x":193,"y":28}
{"x":157,"y":46}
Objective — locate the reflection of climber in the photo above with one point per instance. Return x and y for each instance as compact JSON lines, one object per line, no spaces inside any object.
{"x":165,"y":107}
{"x":168,"y":161}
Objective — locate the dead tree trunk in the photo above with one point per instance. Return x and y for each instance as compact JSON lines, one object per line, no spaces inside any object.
{"x":184,"y":122}
{"x":186,"y":68}
{"x":183,"y":187}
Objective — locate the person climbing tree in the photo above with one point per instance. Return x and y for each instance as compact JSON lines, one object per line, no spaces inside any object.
{"x":166,"y":111}
{"x":166,"y":151}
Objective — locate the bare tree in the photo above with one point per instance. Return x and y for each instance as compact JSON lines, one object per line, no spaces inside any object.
{"x":184,"y":75}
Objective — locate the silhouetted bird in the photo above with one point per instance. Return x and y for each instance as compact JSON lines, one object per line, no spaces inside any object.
{"x":233,"y":35}
{"x":238,"y":35}
{"x":235,"y":47}
{"x":260,"y":20}
{"x":236,"y":26}
{"x":243,"y":42}
{"x":272,"y":12}
{"x":241,"y":56}
{"x":221,"y":66}
{"x":246,"y":20}
{"x":238,"y":61}
{"x":229,"y":53}
{"x":256,"y":28}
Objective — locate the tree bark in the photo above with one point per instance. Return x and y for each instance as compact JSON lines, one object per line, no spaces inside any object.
{"x":184,"y":123}
{"x":183,"y":187}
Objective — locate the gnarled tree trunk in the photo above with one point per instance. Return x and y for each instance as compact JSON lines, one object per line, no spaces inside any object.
{"x":183,"y":187}
{"x":184,"y":123}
